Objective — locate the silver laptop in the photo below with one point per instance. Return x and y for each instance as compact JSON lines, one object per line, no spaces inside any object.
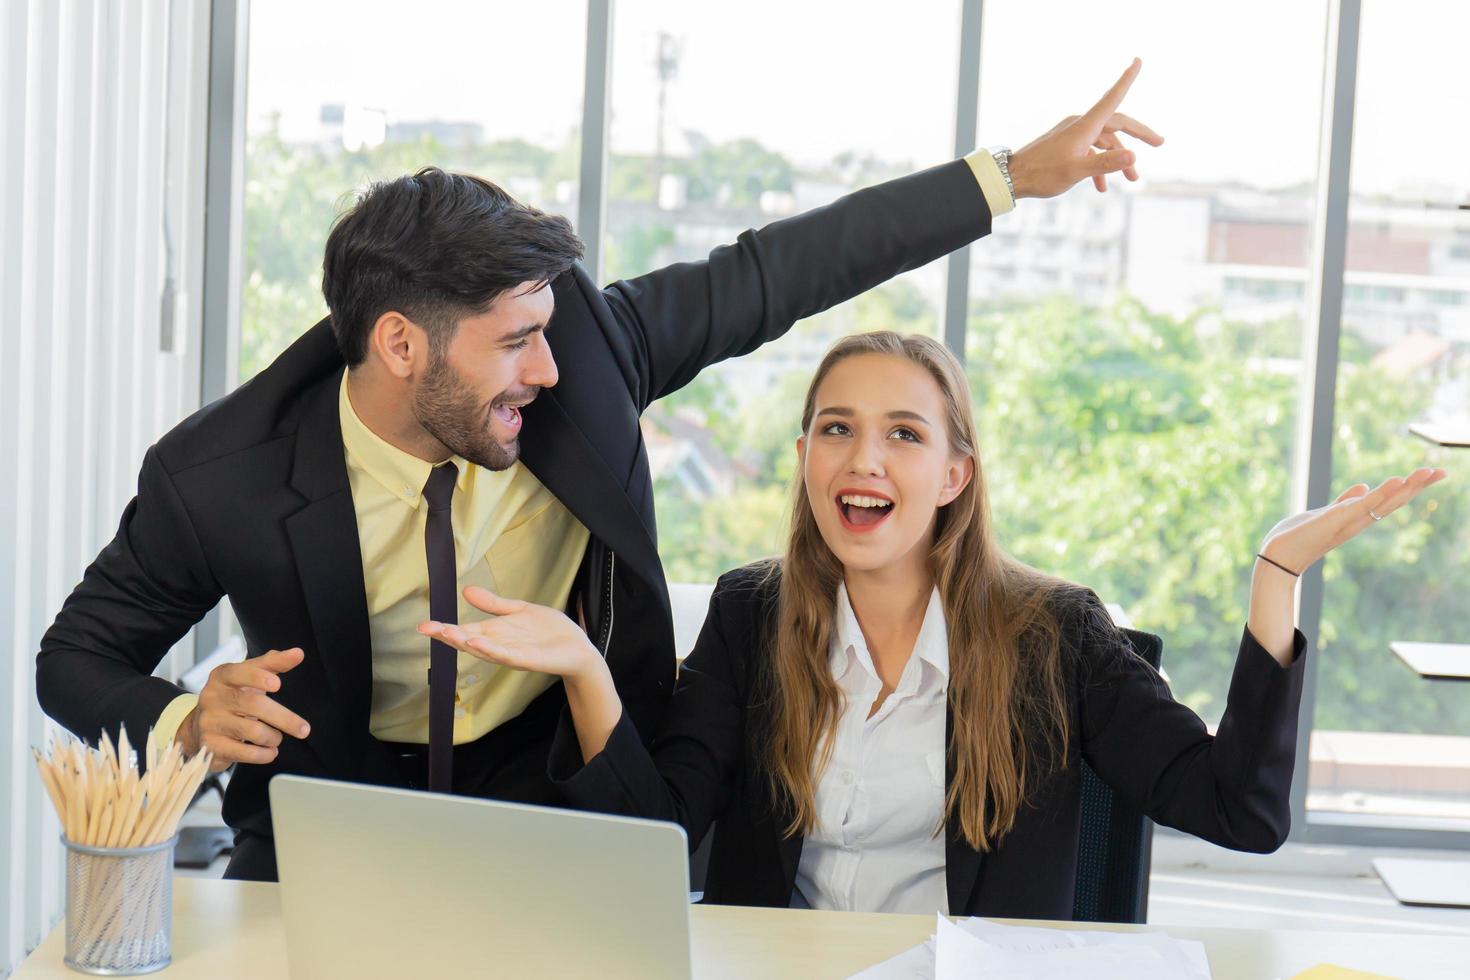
{"x":382,"y":882}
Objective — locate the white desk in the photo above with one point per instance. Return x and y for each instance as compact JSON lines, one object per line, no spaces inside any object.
{"x":225,"y":929}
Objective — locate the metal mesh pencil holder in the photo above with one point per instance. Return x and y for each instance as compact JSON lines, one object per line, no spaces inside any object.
{"x":119,"y":908}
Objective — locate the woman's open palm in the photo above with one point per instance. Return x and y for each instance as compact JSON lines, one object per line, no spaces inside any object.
{"x":1302,"y":539}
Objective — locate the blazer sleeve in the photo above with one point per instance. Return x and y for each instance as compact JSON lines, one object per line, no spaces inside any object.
{"x":685,"y":317}
{"x":1232,"y":788}
{"x":690,"y":772}
{"x":135,"y":601}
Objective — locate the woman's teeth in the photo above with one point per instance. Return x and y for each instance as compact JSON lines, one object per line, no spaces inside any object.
{"x":856,"y":500}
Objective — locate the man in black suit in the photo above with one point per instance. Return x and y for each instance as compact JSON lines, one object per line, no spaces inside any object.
{"x":359,"y":483}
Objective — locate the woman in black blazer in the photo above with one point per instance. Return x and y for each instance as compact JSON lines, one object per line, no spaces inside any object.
{"x":891,"y":717}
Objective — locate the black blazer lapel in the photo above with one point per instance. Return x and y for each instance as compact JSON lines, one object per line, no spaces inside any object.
{"x":329,"y":559}
{"x":961,"y":861}
{"x":567,"y":464}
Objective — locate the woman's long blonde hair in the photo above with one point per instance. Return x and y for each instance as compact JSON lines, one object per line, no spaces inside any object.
{"x":1005,"y":681}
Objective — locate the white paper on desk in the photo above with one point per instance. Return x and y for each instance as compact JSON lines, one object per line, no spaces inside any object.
{"x":975,"y":948}
{"x":1185,"y":957}
{"x":912,"y":964}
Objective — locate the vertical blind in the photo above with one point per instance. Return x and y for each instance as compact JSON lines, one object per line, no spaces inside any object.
{"x":102,"y":137}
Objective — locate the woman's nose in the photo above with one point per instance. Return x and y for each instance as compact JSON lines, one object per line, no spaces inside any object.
{"x":867,"y":458}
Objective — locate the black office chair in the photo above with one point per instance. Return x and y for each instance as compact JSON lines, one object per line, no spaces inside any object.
{"x":1113,"y":855}
{"x":1116,"y":846}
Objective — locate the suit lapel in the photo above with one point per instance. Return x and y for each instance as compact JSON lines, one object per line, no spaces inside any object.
{"x":961,"y":861}
{"x":328,"y":557}
{"x":559,"y":454}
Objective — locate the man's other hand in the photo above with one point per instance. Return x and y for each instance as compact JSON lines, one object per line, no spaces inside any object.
{"x":236,"y":719}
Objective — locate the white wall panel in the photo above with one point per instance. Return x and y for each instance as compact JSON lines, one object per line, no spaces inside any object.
{"x":102,"y":134}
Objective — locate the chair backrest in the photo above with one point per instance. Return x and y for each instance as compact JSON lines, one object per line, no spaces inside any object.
{"x":1116,"y":844}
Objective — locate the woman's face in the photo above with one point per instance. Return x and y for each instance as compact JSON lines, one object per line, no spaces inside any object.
{"x":876,"y":461}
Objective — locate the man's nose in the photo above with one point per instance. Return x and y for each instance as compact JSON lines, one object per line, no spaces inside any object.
{"x":541,"y":368}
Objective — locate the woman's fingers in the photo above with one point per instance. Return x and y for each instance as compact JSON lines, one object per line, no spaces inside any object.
{"x":486,"y":601}
{"x":1356,"y":490}
{"x":1359,"y":508}
{"x":471,"y":639}
{"x":1406,"y":489}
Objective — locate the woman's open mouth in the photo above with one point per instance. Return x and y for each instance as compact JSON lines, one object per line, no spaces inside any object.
{"x":863,"y":512}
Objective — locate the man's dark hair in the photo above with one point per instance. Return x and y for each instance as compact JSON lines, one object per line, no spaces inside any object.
{"x":436,"y":247}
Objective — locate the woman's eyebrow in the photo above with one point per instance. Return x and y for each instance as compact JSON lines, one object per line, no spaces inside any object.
{"x":845,"y":412}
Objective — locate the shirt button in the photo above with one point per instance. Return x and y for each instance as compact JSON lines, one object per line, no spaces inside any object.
{"x":847,"y":777}
{"x":469,"y":679}
{"x":459,"y":712}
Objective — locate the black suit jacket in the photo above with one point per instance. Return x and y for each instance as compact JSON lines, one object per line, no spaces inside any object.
{"x":706,"y":763}
{"x":249,"y":497}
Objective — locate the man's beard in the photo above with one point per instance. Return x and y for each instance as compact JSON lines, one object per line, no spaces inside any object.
{"x":449,"y":410}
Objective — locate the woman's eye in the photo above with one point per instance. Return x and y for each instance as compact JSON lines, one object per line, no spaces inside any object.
{"x":834,"y":429}
{"x":908,"y":435}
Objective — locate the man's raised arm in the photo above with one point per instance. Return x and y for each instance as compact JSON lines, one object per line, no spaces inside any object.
{"x":692,"y":314}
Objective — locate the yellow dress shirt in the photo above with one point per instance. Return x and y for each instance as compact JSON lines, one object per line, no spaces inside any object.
{"x":499,"y":519}
{"x":987,"y":174}
{"x":511,"y":536}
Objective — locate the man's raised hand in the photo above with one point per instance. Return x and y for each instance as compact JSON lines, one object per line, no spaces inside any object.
{"x":1085,"y":146}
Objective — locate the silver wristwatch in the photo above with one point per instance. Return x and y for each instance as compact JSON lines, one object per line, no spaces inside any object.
{"x":1002,"y":155}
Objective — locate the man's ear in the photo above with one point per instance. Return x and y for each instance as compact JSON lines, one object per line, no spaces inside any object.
{"x":961,"y":471}
{"x":398,"y":343}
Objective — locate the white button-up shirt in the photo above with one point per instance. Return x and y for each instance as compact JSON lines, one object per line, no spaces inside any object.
{"x":881,"y":797}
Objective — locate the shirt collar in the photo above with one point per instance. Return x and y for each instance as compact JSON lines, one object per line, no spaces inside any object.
{"x":402,"y":474}
{"x":931,"y":646}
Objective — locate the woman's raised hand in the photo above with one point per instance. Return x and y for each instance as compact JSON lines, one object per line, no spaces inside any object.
{"x":520,"y":635}
{"x":1300,"y":540}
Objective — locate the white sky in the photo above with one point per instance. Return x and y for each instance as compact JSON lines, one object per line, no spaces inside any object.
{"x":1235,"y":88}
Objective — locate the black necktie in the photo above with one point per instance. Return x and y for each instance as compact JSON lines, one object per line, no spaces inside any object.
{"x":443,"y":608}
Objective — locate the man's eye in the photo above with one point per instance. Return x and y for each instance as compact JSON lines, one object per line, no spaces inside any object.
{"x":520,"y":344}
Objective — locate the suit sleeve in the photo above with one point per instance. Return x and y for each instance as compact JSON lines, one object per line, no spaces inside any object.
{"x":1232,"y":788}
{"x":685,"y":317}
{"x":137,"y":599}
{"x":689,"y":775}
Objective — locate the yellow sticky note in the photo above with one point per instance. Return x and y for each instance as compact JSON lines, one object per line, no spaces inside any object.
{"x":1331,"y":971}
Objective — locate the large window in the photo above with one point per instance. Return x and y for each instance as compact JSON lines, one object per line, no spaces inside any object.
{"x":728,"y":118}
{"x":343,"y":93}
{"x":1390,"y":744}
{"x":1136,"y":355}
